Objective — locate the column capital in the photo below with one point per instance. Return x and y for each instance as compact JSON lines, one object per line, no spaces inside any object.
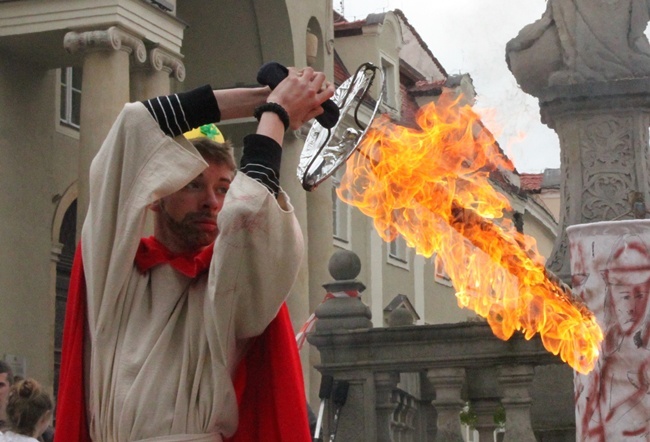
{"x":162,"y":60}
{"x":112,"y":38}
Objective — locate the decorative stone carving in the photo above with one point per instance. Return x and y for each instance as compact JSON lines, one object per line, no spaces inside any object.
{"x":578,"y":41}
{"x":162,"y":60}
{"x":112,"y":38}
{"x":608,"y":166}
{"x":603,"y":133}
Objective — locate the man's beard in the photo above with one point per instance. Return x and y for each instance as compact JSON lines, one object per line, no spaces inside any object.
{"x":187,"y":232}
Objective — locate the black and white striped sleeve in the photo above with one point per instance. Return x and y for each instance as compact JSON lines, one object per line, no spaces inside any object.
{"x":179,"y":113}
{"x":261,"y":161}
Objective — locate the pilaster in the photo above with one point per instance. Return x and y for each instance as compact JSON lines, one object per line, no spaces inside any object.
{"x":603,"y":133}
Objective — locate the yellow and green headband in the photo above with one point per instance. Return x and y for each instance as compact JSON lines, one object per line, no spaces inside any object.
{"x":210,"y":131}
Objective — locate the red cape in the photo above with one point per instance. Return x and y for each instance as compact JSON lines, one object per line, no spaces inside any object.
{"x":268,"y":381}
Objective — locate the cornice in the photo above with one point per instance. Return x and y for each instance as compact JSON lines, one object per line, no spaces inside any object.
{"x":135,"y":16}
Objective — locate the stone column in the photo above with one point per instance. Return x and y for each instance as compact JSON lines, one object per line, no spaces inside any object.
{"x":341,"y":311}
{"x":485,"y":409}
{"x":448,"y":385}
{"x":588,"y":63}
{"x":427,"y":415}
{"x":105,"y":90}
{"x":484,"y":395}
{"x":515,"y":382}
{"x":151,"y":79}
{"x":403,"y":425}
{"x":603,"y":131}
{"x":385,"y":384}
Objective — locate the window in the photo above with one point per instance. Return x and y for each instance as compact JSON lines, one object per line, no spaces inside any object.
{"x":70,"y":90}
{"x":441,"y":275}
{"x":340,"y":212}
{"x":390,"y":93}
{"x":397,"y":252}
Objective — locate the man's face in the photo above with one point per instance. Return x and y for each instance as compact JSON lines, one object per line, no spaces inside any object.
{"x":630,"y":301}
{"x":187,"y":220}
{"x":4,"y":394}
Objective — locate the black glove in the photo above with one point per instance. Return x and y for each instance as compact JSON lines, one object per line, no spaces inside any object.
{"x":272,"y":73}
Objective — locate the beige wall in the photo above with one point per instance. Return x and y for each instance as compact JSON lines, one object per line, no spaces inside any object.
{"x":552,"y":200}
{"x":539,"y":231}
{"x":38,"y":164}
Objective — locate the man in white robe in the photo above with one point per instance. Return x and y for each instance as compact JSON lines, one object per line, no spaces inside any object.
{"x":162,"y":345}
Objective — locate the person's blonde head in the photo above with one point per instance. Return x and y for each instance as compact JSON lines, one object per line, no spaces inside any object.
{"x":28,"y":407}
{"x":215,"y":152}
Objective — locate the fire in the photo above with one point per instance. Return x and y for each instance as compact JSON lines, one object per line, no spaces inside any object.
{"x":430,"y":185}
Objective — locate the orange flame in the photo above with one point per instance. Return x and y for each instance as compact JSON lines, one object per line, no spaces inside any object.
{"x":430,"y":185}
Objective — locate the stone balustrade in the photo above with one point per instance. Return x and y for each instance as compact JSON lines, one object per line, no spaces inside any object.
{"x":442,"y":355}
{"x":452,"y":363}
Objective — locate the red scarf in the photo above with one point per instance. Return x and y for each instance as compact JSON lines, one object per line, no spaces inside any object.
{"x":268,"y":381}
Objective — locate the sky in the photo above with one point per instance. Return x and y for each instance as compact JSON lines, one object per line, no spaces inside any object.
{"x":469,"y":36}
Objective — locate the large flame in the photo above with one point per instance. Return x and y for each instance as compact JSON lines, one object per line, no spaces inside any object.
{"x":430,"y":185}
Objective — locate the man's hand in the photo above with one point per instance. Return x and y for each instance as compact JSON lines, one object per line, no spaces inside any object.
{"x":301,"y":94}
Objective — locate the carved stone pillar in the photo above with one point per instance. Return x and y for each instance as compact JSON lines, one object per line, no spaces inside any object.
{"x":588,"y":63}
{"x":151,"y":79}
{"x":603,"y":131}
{"x":105,"y":89}
{"x":385,"y":384}
{"x":516,"y":382}
{"x":448,"y":385}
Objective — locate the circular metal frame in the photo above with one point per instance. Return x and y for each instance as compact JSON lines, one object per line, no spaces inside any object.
{"x":325,"y":150}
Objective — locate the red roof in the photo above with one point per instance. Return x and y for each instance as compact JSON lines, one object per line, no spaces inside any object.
{"x":345,"y":25}
{"x":341,"y":72}
{"x":531,"y":181}
{"x":422,"y":87}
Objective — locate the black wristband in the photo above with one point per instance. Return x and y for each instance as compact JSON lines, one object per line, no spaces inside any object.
{"x":276,"y":109}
